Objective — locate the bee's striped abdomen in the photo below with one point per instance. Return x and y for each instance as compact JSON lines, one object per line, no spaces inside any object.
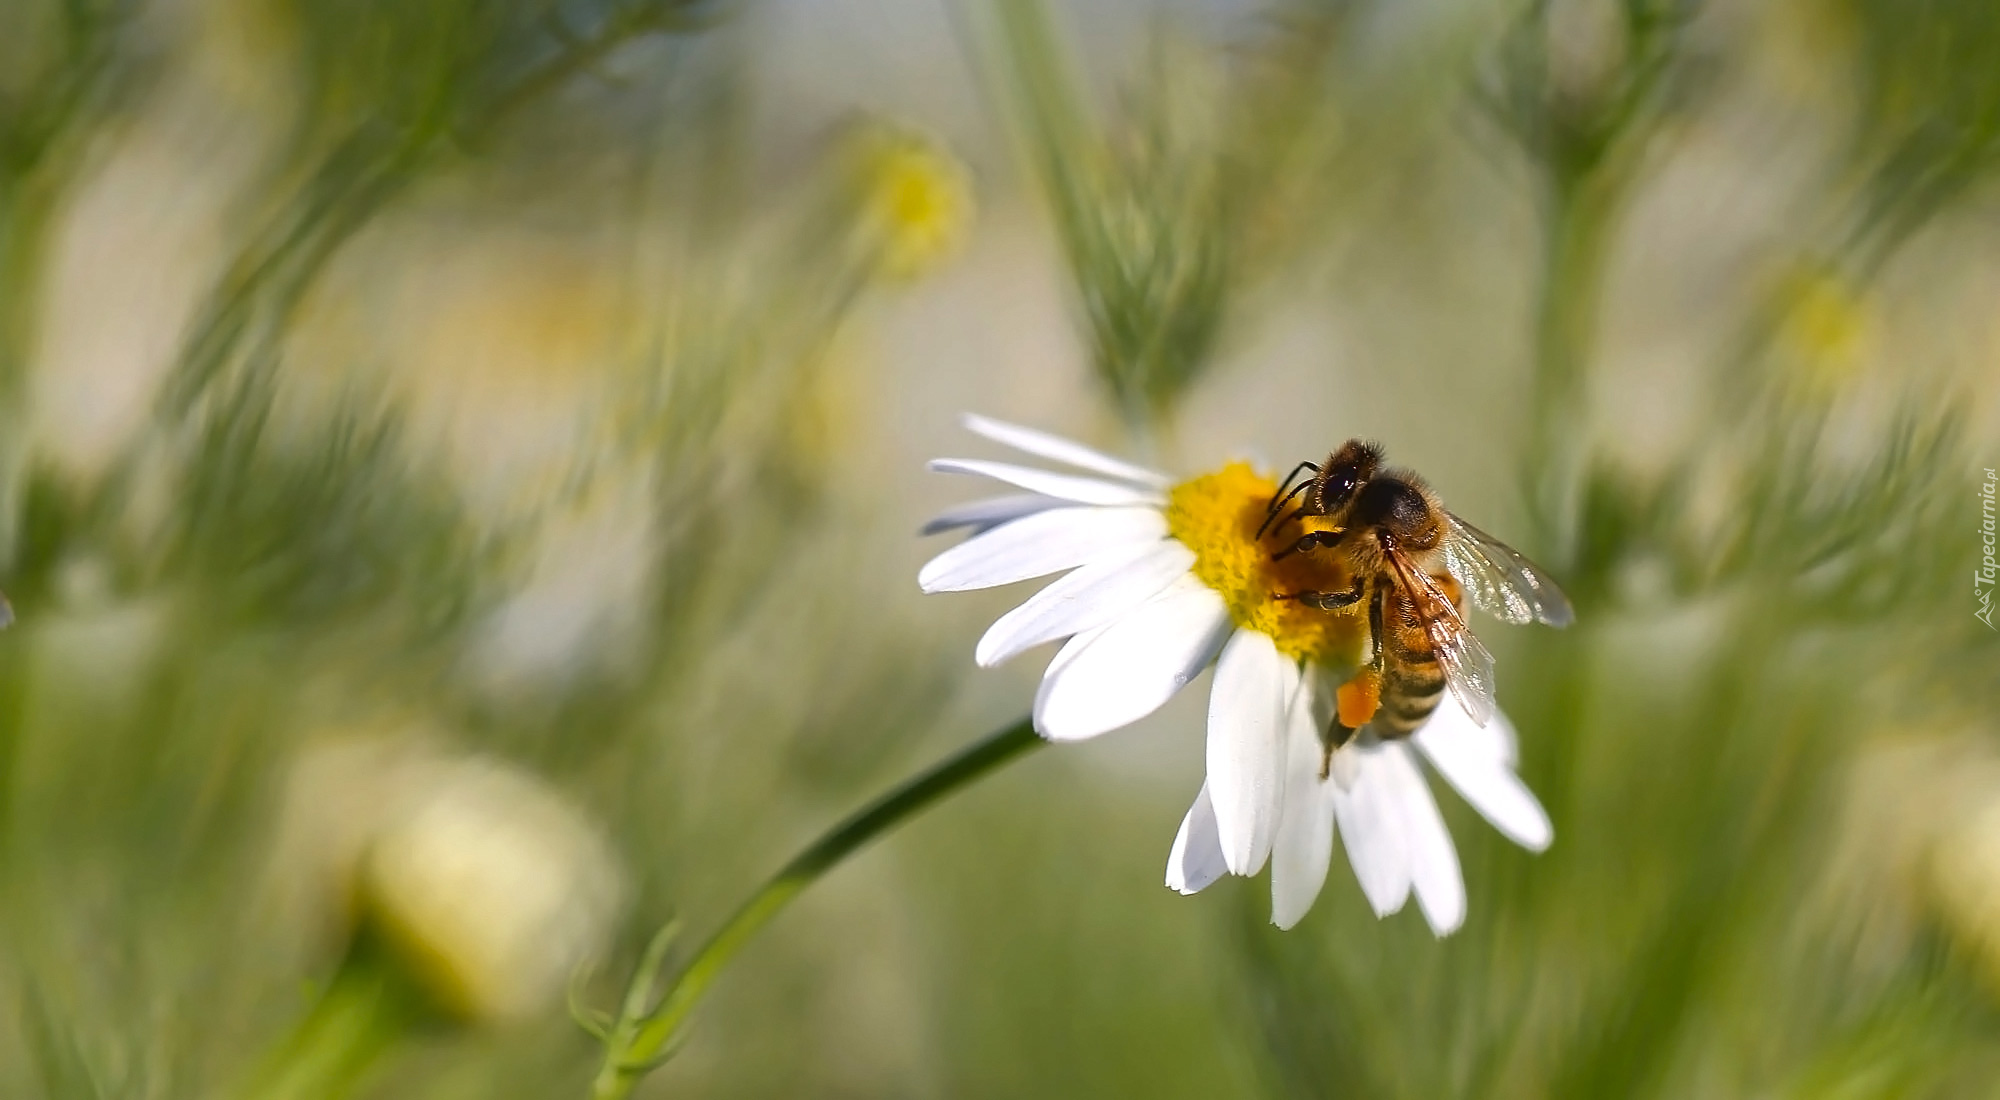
{"x":1412,"y":679}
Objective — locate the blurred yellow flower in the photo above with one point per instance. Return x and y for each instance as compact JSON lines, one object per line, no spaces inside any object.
{"x":916,"y":200}
{"x":1826,"y":329}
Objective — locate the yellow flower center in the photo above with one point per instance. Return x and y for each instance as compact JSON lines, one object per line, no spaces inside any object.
{"x":1827,"y":331}
{"x":1217,"y":516}
{"x":919,"y":203}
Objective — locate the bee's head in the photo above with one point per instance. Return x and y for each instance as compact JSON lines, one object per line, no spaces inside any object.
{"x":1345,"y":472}
{"x":1396,"y":503}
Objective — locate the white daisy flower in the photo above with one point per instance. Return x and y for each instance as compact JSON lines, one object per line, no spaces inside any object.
{"x":1375,"y":797}
{"x":1164,"y":578}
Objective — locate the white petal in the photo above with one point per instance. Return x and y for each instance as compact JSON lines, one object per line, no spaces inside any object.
{"x":1347,"y":767}
{"x":1082,"y":490}
{"x":1057,"y":449}
{"x":1089,"y":597}
{"x":1304,"y":844}
{"x":1046,"y":542}
{"x":1464,"y":754}
{"x":1059,"y":666}
{"x":1066,"y":656}
{"x":1246,"y":746}
{"x":1196,"y":858}
{"x":1433,"y":861}
{"x":1372,"y":827}
{"x":1120,"y":673}
{"x":1493,"y":741}
{"x":990,"y":512}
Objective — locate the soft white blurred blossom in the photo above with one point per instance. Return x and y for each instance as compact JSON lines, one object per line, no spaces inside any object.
{"x":1922,"y":837}
{"x":490,"y":886}
{"x":1963,"y":877}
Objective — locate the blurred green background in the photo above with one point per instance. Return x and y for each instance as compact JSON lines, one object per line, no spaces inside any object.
{"x":460,"y":464}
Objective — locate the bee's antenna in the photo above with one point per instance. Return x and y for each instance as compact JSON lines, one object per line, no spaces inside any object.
{"x":1287,"y":484}
{"x":1286,"y":491}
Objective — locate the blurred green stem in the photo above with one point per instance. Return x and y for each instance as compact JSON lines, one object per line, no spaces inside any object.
{"x":642,"y":1037}
{"x":25,"y":208}
{"x":1147,"y":260}
{"x":364,"y":1012}
{"x":350,"y":185}
{"x":1574,"y":251}
{"x":1590,"y":142}
{"x":41,"y":120}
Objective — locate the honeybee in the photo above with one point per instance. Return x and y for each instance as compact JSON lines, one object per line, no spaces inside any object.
{"x":1415,"y":563}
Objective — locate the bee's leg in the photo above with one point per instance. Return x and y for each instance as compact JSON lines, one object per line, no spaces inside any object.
{"x":1329,"y":601}
{"x":1331,"y":739}
{"x":1281,"y":524}
{"x":1338,"y":733}
{"x":1355,"y":705}
{"x":1375,"y":630}
{"x":1308,"y":542}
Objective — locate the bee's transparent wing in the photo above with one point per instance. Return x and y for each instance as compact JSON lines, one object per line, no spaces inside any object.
{"x":1499,"y":581}
{"x":1467,"y":666}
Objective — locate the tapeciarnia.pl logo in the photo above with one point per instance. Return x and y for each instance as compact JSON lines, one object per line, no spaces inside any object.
{"x":1984,"y":576}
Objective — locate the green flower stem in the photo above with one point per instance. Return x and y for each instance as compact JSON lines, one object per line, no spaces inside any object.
{"x":1575,"y":250}
{"x":366,"y":1010}
{"x":641,"y":1038}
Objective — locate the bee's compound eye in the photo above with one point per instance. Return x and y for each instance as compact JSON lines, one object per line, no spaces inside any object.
{"x":1341,"y":488}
